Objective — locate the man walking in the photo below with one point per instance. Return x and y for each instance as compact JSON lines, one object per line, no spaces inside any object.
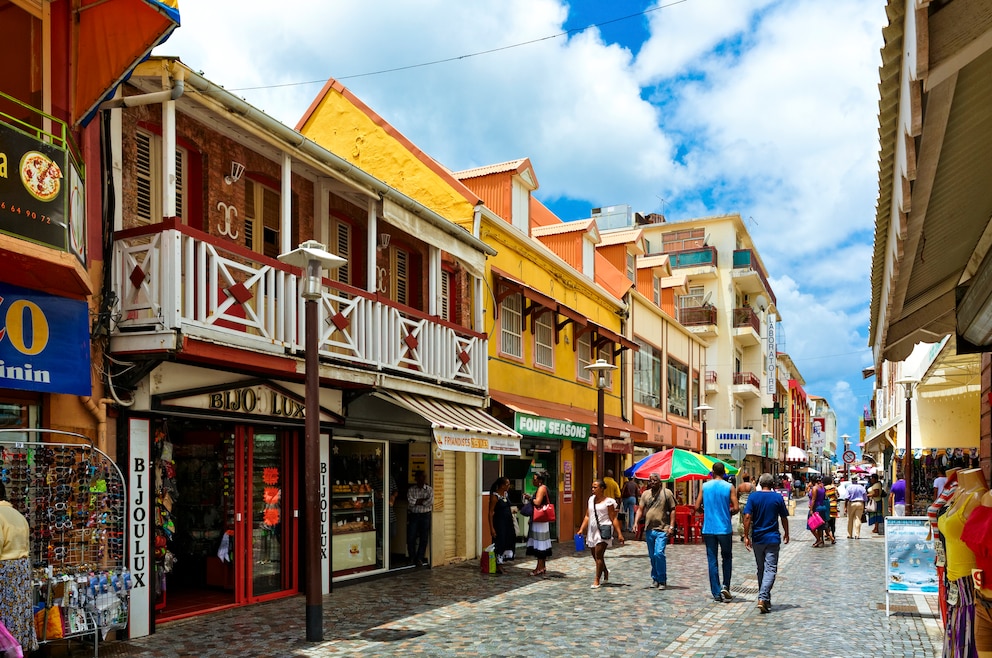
{"x":420,"y":498}
{"x":630,"y":492}
{"x":761,"y":513}
{"x":658,"y":509}
{"x":718,"y":501}
{"x":856,"y":497}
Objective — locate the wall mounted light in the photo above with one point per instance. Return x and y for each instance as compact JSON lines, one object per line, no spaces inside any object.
{"x":237,"y":169}
{"x":383,"y":242}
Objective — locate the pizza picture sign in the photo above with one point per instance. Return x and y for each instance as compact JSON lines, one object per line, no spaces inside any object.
{"x":33,"y":184}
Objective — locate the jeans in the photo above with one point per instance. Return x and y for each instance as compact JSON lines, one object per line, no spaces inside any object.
{"x":418,"y":532}
{"x":724,"y":543}
{"x":766,"y":557}
{"x":657,"y":540}
{"x":628,"y":509}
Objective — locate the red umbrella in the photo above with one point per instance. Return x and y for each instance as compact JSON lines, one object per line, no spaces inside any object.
{"x":678,"y":465}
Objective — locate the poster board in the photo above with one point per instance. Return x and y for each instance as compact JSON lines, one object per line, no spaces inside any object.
{"x":909,"y":557}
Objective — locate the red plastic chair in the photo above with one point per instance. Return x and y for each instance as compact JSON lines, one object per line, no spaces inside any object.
{"x":697,"y":529}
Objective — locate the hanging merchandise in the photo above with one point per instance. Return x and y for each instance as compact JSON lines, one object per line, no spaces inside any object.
{"x":74,"y":498}
{"x":166,"y":494}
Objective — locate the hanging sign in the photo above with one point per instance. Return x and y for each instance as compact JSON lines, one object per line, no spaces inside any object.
{"x":44,"y":342}
{"x":772,"y":356}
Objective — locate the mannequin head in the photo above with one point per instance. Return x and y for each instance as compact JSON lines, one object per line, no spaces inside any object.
{"x":972,"y":479}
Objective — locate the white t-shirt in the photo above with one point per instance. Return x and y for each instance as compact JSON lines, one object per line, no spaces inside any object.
{"x":939,"y":483}
{"x":842,"y":490}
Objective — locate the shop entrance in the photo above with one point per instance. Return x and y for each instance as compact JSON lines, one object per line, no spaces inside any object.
{"x":233,"y":530}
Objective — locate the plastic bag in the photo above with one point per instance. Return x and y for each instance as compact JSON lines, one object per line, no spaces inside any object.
{"x":487,"y":560}
{"x":48,"y":623}
{"x":9,"y":646}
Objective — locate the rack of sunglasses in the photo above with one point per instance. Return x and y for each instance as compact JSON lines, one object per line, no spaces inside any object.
{"x":73,"y":497}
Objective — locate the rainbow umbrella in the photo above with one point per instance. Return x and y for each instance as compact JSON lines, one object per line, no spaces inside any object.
{"x":676,"y":465}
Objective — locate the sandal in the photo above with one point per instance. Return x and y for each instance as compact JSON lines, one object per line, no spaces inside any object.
{"x":538,"y":572}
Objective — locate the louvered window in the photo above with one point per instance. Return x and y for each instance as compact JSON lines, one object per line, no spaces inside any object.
{"x":147,"y":167}
{"x":342,"y":247}
{"x":583,"y":354}
{"x":262,"y":208}
{"x":445,"y":309}
{"x":511,"y":327}
{"x":544,"y":345}
{"x":631,"y":267}
{"x":401,"y":287}
{"x":656,"y":290}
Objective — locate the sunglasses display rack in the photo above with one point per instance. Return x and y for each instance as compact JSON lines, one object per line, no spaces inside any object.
{"x":73,"y":496}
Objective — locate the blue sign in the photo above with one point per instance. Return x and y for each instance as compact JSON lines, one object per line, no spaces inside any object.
{"x":909,"y":556}
{"x":44,"y":342}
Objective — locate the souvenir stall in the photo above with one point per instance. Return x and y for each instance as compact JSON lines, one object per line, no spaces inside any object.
{"x":73,"y":497}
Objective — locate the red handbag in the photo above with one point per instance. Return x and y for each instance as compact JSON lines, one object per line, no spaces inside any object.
{"x":544,"y":514}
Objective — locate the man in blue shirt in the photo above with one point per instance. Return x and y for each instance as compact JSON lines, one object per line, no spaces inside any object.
{"x":762,"y":512}
{"x":717,"y":501}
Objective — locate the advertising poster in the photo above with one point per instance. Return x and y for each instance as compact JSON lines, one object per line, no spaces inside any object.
{"x":909,"y":557}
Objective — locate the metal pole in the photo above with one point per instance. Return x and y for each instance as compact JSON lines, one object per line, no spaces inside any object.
{"x":314,"y":605}
{"x":600,"y":421}
{"x":907,"y":463}
{"x":706,"y":448}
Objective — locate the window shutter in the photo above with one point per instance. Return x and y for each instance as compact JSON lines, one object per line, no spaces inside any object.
{"x":180,"y":182}
{"x":400,"y":280}
{"x":250,"y":214}
{"x":445,"y":309}
{"x":143,"y":174}
{"x":342,"y":248}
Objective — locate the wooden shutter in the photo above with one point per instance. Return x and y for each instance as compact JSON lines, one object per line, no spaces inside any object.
{"x":342,"y":248}
{"x":180,"y":182}
{"x":445,"y":310}
{"x":143,"y":171}
{"x":401,"y":289}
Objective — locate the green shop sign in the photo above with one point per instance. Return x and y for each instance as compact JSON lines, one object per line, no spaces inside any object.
{"x":551,"y":428}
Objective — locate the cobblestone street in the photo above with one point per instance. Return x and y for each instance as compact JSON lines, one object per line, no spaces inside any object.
{"x":827,"y":602}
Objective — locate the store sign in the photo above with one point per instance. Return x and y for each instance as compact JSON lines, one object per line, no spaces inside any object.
{"x":469,"y":442}
{"x":44,"y":342}
{"x":772,"y":356}
{"x":41,"y":192}
{"x":261,"y":400}
{"x":140,"y":497}
{"x":726,"y":441}
{"x":550,"y":428}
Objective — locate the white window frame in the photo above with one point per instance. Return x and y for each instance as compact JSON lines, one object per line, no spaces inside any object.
{"x":583,"y":356}
{"x":631,"y":267}
{"x":255,"y":225}
{"x":148,"y":178}
{"x":511,"y":339}
{"x":656,"y":289}
{"x":544,"y":340}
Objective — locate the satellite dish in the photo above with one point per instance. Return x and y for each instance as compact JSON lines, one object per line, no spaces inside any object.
{"x":706,"y":298}
{"x":761,"y":302}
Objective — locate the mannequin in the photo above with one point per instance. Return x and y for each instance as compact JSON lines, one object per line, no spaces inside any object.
{"x":959,"y":637}
{"x":940,"y":559}
{"x":977,"y":534}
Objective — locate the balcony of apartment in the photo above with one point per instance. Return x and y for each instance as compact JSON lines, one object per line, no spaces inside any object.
{"x":749,"y":275}
{"x":746,"y":385}
{"x":698,"y":263}
{"x":175,"y":283}
{"x":746,"y":327}
{"x":699,"y":320}
{"x":711,"y":381}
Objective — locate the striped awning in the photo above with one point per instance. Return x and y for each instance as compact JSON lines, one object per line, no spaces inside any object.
{"x":796,"y":454}
{"x":458,"y":427}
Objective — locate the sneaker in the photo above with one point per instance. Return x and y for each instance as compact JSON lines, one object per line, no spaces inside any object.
{"x":725,"y":594}
{"x":717,"y":599}
{"x":764,"y":607}
{"x":662,"y":585}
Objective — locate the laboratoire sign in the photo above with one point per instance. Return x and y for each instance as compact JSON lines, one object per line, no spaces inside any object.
{"x":41,"y":193}
{"x":550,"y":428}
{"x":44,"y":342}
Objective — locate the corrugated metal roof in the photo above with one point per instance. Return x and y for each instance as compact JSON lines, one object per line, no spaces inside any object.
{"x":620,"y":236}
{"x":500,"y":168}
{"x":565,"y":227}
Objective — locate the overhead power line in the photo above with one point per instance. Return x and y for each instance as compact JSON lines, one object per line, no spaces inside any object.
{"x":469,"y":55}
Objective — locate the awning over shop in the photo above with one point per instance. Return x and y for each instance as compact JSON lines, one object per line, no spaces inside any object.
{"x":459,"y":427}
{"x":113,"y":36}
{"x":620,"y":435}
{"x":874,"y":441}
{"x":796,"y":454}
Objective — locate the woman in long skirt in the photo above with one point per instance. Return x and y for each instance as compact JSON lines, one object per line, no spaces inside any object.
{"x":16,"y":588}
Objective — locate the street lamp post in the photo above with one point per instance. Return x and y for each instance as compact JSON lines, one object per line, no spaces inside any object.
{"x":843,"y":455}
{"x":701,"y":410}
{"x":312,"y":258}
{"x":907,"y":459}
{"x":599,"y":370}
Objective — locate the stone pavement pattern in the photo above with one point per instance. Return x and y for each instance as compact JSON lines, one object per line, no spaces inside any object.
{"x":827,"y":602}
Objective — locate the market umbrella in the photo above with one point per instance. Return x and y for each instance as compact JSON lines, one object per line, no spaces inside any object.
{"x":676,"y":465}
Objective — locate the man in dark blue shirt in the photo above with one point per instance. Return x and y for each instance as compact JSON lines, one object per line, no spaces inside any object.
{"x":762,"y":512}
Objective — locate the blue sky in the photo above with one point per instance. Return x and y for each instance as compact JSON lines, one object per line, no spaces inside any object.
{"x":767,"y":108}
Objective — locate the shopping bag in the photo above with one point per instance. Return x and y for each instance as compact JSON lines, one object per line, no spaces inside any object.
{"x":544,"y":513}
{"x":48,"y":623}
{"x":527,"y":509}
{"x":580,"y":542}
{"x":487,"y":561}
{"x":9,"y":646}
{"x":814,"y":521}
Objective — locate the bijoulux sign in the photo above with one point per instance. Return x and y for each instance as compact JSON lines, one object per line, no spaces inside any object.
{"x":264,"y":400}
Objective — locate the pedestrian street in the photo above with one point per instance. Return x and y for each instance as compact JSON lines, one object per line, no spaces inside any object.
{"x":826,"y":602}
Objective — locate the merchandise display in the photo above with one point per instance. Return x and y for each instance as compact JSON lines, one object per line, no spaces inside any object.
{"x":73,"y":496}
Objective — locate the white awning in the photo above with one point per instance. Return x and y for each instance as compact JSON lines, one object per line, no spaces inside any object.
{"x":796,"y":454}
{"x":873,"y":442}
{"x":458,"y":427}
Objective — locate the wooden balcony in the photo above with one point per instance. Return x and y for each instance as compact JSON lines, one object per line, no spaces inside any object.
{"x":173,"y":281}
{"x":747,"y":326}
{"x":700,"y":320}
{"x":746,"y":384}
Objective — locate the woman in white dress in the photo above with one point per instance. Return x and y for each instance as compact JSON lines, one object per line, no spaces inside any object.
{"x":539,"y":536}
{"x":601,"y":512}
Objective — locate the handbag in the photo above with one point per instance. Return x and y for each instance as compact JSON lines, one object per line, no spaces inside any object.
{"x":487,"y":560}
{"x":605,"y":531}
{"x":814,"y":521}
{"x":544,"y":513}
{"x":871,"y":505}
{"x":527,"y":509}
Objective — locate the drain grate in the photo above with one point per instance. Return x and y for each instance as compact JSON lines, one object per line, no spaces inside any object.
{"x":897,"y":608}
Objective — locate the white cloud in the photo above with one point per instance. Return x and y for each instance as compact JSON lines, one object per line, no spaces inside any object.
{"x":763,"y":107}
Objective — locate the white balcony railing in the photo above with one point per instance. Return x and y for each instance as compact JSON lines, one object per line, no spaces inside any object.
{"x":173,"y":278}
